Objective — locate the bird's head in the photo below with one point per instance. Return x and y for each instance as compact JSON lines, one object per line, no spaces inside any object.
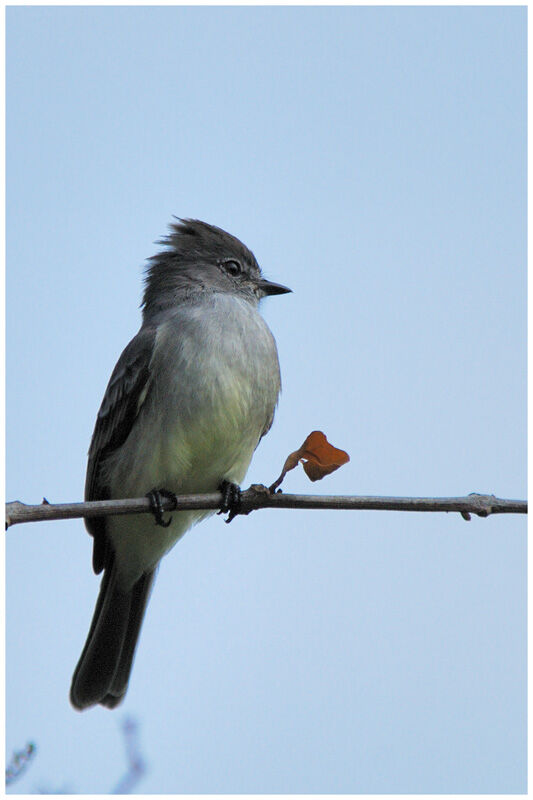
{"x":202,"y":257}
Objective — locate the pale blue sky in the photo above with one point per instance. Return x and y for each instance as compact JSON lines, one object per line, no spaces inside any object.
{"x":374,"y":159}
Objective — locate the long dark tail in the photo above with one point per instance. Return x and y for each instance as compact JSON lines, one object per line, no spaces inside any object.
{"x":103,"y":670}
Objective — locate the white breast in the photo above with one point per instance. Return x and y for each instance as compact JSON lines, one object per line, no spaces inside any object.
{"x":213,"y":389}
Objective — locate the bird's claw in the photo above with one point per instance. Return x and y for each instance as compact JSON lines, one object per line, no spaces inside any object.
{"x":231,"y":499}
{"x":156,"y":507}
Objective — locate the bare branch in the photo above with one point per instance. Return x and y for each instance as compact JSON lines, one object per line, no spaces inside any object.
{"x":19,"y":762}
{"x":136,"y":765}
{"x":258,"y":496}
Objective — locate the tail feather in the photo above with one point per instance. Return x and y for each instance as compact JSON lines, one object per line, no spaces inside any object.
{"x":140,"y":595}
{"x":102,"y":673}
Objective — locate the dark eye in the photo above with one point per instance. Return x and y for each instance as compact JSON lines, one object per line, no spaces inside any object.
{"x":232,"y":267}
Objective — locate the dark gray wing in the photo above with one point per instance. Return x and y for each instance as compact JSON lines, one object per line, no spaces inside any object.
{"x":122,"y":401}
{"x":270,"y":420}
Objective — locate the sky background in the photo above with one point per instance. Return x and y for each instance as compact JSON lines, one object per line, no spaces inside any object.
{"x":374,"y":159}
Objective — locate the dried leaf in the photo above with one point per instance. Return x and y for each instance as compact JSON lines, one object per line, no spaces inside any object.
{"x":318,"y":456}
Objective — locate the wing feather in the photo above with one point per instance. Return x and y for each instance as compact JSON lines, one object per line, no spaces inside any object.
{"x":125,"y":394}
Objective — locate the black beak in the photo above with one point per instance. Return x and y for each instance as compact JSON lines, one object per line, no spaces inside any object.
{"x":268,"y":287}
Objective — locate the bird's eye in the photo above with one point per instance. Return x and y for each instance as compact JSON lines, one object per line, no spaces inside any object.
{"x":232,"y":267}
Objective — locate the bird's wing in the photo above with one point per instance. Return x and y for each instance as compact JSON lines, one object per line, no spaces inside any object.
{"x":270,"y":419}
{"x":266,"y":428}
{"x":125,"y":394}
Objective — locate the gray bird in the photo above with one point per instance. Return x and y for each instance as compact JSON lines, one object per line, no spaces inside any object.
{"x":186,"y":406}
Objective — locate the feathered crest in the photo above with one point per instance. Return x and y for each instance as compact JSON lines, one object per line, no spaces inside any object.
{"x":189,"y":237}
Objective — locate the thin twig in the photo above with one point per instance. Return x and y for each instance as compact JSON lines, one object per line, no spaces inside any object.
{"x":258,"y":496}
{"x":136,"y":766}
{"x":19,"y":762}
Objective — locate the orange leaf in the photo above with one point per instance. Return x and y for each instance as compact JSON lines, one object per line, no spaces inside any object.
{"x":318,"y":457}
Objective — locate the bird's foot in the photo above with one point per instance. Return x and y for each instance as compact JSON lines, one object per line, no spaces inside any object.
{"x":231,"y":499}
{"x":156,"y":507}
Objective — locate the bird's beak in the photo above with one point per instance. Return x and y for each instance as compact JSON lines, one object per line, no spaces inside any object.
{"x":268,"y":287}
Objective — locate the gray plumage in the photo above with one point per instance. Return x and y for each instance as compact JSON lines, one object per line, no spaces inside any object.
{"x":187,"y":403}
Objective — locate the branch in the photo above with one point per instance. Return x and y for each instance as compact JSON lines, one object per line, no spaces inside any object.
{"x":258,"y":496}
{"x":136,"y":765}
{"x":19,"y":762}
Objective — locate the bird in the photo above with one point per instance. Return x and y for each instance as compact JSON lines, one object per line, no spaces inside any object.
{"x":187,"y":403}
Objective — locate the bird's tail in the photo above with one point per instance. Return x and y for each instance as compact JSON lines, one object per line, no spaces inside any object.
{"x":102,"y":673}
